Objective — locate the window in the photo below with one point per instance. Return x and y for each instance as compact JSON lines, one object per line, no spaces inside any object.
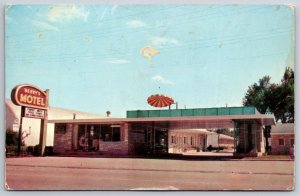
{"x":292,"y":143}
{"x":281,"y":142}
{"x":192,"y":141}
{"x":185,"y":140}
{"x":60,"y":128}
{"x":116,"y":134}
{"x":173,"y":140}
{"x":110,"y":133}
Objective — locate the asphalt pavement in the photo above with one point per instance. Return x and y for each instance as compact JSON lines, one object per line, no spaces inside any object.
{"x":83,"y":173}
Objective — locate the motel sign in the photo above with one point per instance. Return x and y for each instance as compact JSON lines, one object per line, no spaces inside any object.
{"x":34,"y":104}
{"x":29,"y":96}
{"x":34,"y":113}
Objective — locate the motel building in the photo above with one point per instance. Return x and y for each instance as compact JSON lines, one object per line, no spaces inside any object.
{"x":283,"y":139}
{"x":165,"y":131}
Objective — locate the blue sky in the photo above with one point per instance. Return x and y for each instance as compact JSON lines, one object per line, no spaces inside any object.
{"x":89,"y":56}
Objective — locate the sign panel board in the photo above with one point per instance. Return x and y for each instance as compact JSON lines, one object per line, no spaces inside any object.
{"x":34,"y":113}
{"x":29,"y":96}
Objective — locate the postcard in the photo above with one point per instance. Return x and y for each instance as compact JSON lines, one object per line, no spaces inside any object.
{"x":150,"y":97}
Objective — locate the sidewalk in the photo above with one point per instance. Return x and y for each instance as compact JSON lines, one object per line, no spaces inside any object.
{"x":218,"y":154}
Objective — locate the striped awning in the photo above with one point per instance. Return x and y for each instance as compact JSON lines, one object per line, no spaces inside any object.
{"x":159,"y":100}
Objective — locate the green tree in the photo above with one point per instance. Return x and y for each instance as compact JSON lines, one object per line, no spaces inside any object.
{"x":286,"y":107}
{"x":11,"y":138}
{"x":257,"y":93}
{"x":277,"y":98}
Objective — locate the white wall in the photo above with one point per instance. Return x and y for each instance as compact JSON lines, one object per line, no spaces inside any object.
{"x":34,"y":137}
{"x":212,"y":139}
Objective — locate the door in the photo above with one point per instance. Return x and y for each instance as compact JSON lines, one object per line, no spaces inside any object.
{"x":88,"y":137}
{"x":249,"y":138}
{"x":148,"y":140}
{"x":161,"y":140}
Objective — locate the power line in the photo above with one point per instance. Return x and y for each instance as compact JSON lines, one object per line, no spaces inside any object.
{"x":115,"y":30}
{"x":196,"y":63}
{"x":232,"y":39}
{"x":273,"y":31}
{"x":121,"y":30}
{"x":134,"y":51}
{"x":103,"y":20}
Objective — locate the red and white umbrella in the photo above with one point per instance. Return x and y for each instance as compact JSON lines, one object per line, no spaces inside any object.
{"x":159,"y":100}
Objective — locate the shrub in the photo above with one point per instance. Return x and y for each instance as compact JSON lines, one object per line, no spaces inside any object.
{"x":36,"y":150}
{"x":210,"y":148}
{"x":48,"y":150}
{"x":30,"y":150}
{"x":13,"y":150}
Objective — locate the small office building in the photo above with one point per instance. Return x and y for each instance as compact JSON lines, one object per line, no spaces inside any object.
{"x":162,"y":131}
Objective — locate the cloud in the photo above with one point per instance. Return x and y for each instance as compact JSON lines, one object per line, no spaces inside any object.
{"x":159,"y":41}
{"x":103,"y":15}
{"x":44,"y":25}
{"x":162,"y":80}
{"x":62,"y":13}
{"x":135,"y":24}
{"x":113,"y":9}
{"x":117,"y":61}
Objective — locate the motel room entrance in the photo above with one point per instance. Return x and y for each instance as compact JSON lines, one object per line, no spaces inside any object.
{"x":149,"y":139}
{"x":156,"y":140}
{"x":87,"y":137}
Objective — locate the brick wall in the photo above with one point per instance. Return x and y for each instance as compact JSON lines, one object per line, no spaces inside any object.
{"x":286,"y":148}
{"x":136,"y":142}
{"x":124,"y":131}
{"x":63,"y":140}
{"x":117,"y":147}
{"x":120,"y":147}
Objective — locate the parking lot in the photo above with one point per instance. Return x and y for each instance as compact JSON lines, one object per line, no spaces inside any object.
{"x":82,"y":173}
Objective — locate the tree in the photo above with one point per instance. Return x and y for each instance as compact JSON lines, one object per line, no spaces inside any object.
{"x":278,"y":98}
{"x":11,"y":138}
{"x":257,"y":94}
{"x":288,"y":99}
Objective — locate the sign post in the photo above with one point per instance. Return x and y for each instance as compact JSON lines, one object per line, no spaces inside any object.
{"x":34,"y":104}
{"x":43,"y":133}
{"x":20,"y":130}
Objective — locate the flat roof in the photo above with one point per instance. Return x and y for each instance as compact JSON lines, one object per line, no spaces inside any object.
{"x":221,"y":111}
{"x":225,"y":119}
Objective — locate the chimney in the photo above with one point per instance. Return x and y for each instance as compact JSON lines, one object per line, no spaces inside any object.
{"x":74,"y":115}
